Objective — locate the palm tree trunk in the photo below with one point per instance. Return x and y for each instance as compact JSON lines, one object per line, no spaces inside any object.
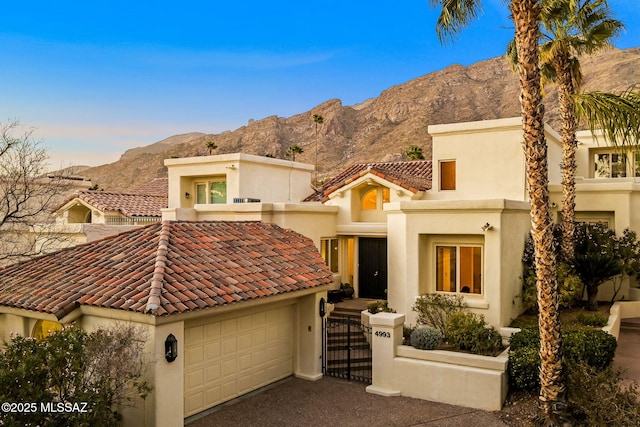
{"x":525,"y":15}
{"x":569,"y":120}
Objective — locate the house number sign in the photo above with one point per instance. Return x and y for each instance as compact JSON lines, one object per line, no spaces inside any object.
{"x":383,"y":334}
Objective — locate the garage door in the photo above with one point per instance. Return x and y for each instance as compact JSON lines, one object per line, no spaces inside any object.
{"x":228,"y":358}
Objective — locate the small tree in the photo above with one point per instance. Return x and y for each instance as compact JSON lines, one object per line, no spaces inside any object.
{"x":211,"y":146}
{"x":596,"y":258}
{"x":28,"y":195}
{"x":105,"y":369}
{"x":293,"y":150}
{"x":414,"y":153}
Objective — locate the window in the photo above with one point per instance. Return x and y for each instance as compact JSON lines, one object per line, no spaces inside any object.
{"x":211,"y":192}
{"x":373,"y":198}
{"x":329,"y":252}
{"x":448,"y":175}
{"x":610,"y":165}
{"x":459,"y":269}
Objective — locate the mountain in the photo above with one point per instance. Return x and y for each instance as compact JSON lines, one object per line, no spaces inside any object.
{"x":379,"y":129}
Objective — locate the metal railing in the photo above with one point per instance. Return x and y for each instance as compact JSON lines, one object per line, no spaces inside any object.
{"x":136,"y":220}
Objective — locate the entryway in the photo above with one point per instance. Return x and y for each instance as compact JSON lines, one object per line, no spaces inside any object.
{"x":372,"y":268}
{"x":346,"y":343}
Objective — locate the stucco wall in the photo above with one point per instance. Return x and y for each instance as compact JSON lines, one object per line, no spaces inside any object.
{"x":247,"y":176}
{"x":414,"y":228}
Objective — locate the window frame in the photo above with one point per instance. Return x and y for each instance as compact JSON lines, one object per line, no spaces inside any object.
{"x":450,"y":182}
{"x":207,"y":185}
{"x":458,"y":246}
{"x":382,"y":196}
{"x":330,"y":253}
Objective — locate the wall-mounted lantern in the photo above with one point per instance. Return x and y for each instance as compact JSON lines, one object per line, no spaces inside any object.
{"x":171,"y":348}
{"x":187,"y":195}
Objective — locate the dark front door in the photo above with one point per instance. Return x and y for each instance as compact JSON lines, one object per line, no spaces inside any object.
{"x":372,"y":268}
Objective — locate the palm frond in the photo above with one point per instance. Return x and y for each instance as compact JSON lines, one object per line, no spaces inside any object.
{"x":615,"y":117}
{"x":455,"y":15}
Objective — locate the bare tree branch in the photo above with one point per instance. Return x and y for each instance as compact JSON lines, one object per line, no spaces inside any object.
{"x":28,"y":196}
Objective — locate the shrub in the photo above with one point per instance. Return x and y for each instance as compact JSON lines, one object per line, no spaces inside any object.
{"x":600,"y":399}
{"x":592,"y":318}
{"x":426,"y":338}
{"x":527,"y":337}
{"x":582,"y":346}
{"x":406,"y":333}
{"x":593,"y":347}
{"x":524,"y":368}
{"x":104,"y":368}
{"x":469,"y":331}
{"x":434,"y":309}
{"x":379,"y":307}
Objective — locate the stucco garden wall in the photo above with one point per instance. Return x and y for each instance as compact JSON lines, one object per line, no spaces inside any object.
{"x":455,"y":378}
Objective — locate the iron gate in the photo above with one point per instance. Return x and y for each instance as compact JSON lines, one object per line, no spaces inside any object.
{"x":346,"y":349}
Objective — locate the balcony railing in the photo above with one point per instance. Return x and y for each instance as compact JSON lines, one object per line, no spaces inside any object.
{"x":137,"y":220}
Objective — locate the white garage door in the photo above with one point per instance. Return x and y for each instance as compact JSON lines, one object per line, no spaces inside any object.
{"x":228,"y":358}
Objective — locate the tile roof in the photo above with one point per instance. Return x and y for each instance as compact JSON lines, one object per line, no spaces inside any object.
{"x":414,"y":176}
{"x":167,"y":268}
{"x":129,"y":205}
{"x":155,"y":187}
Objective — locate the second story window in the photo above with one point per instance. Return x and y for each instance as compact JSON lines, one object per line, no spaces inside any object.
{"x":610,"y":165}
{"x":374,"y":198}
{"x":448,"y":175}
{"x":211,"y":192}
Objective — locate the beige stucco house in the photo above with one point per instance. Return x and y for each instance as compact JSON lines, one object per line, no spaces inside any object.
{"x":393,"y":230}
{"x":88,"y":215}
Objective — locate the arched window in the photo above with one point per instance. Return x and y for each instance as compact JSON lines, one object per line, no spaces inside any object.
{"x":370,"y":199}
{"x":374,"y":197}
{"x":44,"y":328}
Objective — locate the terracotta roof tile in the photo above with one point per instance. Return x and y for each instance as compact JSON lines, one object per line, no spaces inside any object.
{"x":130,"y":205}
{"x":413,"y":176}
{"x":225,"y":262}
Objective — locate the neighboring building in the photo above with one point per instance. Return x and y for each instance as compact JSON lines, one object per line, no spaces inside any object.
{"x":93,"y":214}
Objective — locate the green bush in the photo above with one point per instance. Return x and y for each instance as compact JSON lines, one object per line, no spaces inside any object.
{"x":379,"y":307}
{"x":426,"y":338}
{"x":592,"y":318}
{"x":524,"y":368}
{"x":406,"y":333}
{"x":104,"y":368}
{"x":434,"y":309}
{"x":469,"y":331}
{"x":527,"y":337}
{"x":593,"y":347}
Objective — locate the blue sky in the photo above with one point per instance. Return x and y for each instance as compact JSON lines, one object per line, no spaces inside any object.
{"x":96,"y":78}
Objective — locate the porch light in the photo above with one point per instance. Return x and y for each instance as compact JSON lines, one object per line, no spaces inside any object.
{"x":171,"y":348}
{"x":487,"y":226}
{"x":187,"y":195}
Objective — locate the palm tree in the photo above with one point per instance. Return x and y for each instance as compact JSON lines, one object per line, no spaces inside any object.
{"x":414,"y":153}
{"x":293,"y":150}
{"x":211,"y":146}
{"x":569,"y":29}
{"x":455,"y":15}
{"x":318,"y":120}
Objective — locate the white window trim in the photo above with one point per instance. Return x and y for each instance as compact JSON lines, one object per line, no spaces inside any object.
{"x":457,"y":244}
